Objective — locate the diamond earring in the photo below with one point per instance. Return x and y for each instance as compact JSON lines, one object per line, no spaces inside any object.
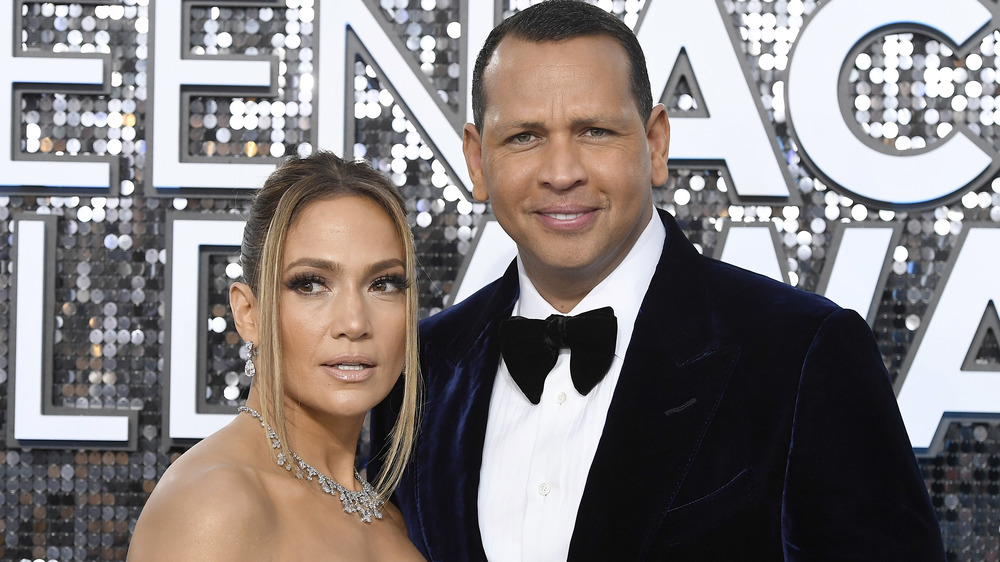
{"x":249,"y":368}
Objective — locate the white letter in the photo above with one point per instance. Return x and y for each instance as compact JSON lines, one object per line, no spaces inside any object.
{"x":754,"y":247}
{"x":813,"y":105}
{"x":735,"y":129}
{"x":436,"y":127}
{"x":34,"y":274}
{"x":172,"y":72}
{"x":71,"y":69}
{"x":932,"y":380}
{"x":857,"y":266}
{"x":185,"y":237}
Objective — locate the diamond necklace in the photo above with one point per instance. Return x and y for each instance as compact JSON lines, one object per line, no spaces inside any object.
{"x":366,"y":503}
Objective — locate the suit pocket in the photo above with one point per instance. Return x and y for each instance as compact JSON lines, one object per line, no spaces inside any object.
{"x":709,"y":511}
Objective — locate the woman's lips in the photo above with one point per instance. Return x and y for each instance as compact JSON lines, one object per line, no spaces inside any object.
{"x":350,"y":369}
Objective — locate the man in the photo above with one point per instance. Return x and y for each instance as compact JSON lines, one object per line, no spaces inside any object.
{"x":738,"y":418}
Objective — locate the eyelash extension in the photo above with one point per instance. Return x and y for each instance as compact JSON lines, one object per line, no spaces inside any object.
{"x":397,"y":280}
{"x":297,"y":281}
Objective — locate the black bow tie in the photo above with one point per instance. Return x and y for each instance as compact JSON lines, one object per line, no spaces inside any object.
{"x":530,"y":348}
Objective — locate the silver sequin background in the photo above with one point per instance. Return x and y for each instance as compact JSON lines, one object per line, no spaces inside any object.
{"x":908,"y":91}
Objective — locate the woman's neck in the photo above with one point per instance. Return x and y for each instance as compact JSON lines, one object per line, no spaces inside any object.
{"x":327,"y":443}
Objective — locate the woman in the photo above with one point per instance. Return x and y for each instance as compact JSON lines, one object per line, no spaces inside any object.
{"x":328,"y":310}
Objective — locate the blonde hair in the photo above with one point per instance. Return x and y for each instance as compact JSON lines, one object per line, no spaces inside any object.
{"x":296,"y":183}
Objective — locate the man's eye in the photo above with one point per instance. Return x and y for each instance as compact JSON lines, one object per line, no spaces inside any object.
{"x":522,"y":137}
{"x":596,"y":132}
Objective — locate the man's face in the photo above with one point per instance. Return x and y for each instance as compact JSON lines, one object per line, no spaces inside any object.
{"x":565,"y":159}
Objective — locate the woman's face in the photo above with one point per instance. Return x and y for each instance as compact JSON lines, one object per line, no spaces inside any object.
{"x":342,"y":307}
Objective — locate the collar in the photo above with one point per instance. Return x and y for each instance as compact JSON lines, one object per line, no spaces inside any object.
{"x":623,"y":289}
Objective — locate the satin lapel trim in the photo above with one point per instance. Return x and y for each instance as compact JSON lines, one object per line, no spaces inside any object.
{"x":447,"y":467}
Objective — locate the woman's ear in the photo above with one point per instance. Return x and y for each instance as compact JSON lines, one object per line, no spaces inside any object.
{"x":244,"y":305}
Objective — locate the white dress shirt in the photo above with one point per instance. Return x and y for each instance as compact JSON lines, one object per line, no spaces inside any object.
{"x":536,"y":457}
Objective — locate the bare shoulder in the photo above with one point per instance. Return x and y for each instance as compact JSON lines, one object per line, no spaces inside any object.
{"x":392,"y":515}
{"x":395,"y":544}
{"x":209,"y":505}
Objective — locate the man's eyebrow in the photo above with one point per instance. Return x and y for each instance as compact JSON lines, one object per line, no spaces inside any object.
{"x":597,"y":121}
{"x":591,"y":121}
{"x":518,"y":125}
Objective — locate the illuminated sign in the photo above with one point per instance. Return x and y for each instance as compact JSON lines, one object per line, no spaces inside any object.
{"x":736,"y":129}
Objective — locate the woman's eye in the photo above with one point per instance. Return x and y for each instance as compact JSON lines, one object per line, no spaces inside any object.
{"x":307,"y":285}
{"x":389,"y":284}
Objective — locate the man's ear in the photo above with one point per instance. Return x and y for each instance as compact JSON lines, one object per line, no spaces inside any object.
{"x":658,"y":139}
{"x":472,"y":146}
{"x":244,"y":306}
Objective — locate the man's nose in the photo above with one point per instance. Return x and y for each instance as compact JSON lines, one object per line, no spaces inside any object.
{"x":562,"y":166}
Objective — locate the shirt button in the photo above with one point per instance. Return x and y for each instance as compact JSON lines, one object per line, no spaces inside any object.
{"x":544,"y":489}
{"x":560,"y":398}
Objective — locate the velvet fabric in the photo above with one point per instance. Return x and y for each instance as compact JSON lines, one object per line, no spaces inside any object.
{"x":751,"y":421}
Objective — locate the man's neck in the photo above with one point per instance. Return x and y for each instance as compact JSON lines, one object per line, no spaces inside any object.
{"x":564,"y":292}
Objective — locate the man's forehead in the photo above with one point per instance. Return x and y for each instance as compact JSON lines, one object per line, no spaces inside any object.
{"x":526,"y":65}
{"x":516,"y":45}
{"x":515,"y":55}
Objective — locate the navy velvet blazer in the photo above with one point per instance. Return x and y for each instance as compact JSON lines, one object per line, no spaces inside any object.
{"x":751,"y":421}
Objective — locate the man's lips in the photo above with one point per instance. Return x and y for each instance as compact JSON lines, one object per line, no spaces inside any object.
{"x":563,"y":216}
{"x":566,"y":219}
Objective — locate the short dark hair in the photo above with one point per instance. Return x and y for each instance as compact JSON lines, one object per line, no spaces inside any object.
{"x":558,"y":20}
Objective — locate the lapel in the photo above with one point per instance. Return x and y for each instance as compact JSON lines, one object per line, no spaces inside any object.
{"x":450,"y":452}
{"x":673,"y":377}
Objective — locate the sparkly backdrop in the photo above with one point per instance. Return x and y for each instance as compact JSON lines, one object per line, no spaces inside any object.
{"x":908,"y":90}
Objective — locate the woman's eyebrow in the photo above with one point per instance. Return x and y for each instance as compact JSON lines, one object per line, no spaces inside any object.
{"x":315,"y":263}
{"x":386,"y":264}
{"x":335,"y":267}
